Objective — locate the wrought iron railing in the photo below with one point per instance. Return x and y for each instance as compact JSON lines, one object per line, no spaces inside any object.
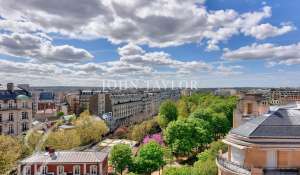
{"x":239,"y":169}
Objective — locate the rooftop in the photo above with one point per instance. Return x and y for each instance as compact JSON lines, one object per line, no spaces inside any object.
{"x":283,"y":122}
{"x":66,"y":157}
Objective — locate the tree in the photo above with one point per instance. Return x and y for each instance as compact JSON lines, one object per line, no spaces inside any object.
{"x":60,"y":114}
{"x":206,"y":160}
{"x":168,"y":111}
{"x":149,"y":159}
{"x":177,"y":171}
{"x":89,"y":128}
{"x":63,"y":140}
{"x":139,"y":131}
{"x":183,"y":108}
{"x":184,"y":135}
{"x":121,"y":157}
{"x":10,"y":151}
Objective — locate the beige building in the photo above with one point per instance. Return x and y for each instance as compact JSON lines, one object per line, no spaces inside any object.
{"x":126,"y":108}
{"x":249,"y":106}
{"x":264,"y":143}
{"x":15,"y":110}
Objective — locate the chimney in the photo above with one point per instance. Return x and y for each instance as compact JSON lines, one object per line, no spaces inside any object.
{"x":10,"y":87}
{"x":51,"y":153}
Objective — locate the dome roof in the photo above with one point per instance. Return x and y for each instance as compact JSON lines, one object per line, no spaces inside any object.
{"x":22,"y":97}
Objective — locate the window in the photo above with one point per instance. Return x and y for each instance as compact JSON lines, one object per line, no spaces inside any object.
{"x":10,"y":129}
{"x":0,"y":129}
{"x":11,"y":117}
{"x":249,"y":108}
{"x":24,"y":115}
{"x":24,"y":105}
{"x":27,"y":170}
{"x":24,"y":127}
{"x":76,"y":170}
{"x":0,"y":106}
{"x":93,"y":170}
{"x":60,"y":170}
{"x":10,"y":105}
{"x":0,"y":117}
{"x":44,"y":170}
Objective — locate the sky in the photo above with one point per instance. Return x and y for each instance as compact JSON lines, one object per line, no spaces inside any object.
{"x":215,"y":43}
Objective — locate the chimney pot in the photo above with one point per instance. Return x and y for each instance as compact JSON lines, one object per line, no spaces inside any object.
{"x":10,"y":87}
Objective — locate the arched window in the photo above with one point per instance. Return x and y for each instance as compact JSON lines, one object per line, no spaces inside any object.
{"x":93,"y":170}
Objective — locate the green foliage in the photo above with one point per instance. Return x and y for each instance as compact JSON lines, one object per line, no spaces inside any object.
{"x":90,"y":129}
{"x":184,"y":135}
{"x":10,"y":151}
{"x":60,"y":114}
{"x":208,"y":167}
{"x":121,"y":157}
{"x":168,"y":112}
{"x":63,"y":140}
{"x":149,"y":158}
{"x":206,"y":160}
{"x":183,"y":108}
{"x":139,"y":131}
{"x":177,"y":171}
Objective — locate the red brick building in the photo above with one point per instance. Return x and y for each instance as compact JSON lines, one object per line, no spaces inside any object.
{"x":65,"y":163}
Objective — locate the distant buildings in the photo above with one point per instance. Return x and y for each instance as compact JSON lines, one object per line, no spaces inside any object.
{"x":15,"y":110}
{"x":283,"y":96}
{"x":264,"y":140}
{"x":129,"y":107}
{"x":45,"y":105}
{"x":65,"y":163}
{"x":250,"y":105}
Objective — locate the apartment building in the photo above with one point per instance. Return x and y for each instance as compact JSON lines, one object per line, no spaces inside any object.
{"x":283,"y":96}
{"x":46,"y":107}
{"x":15,"y":110}
{"x":129,"y":107}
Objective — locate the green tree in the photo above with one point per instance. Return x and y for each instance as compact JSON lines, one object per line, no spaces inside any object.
{"x":185,"y":170}
{"x":10,"y":151}
{"x":168,"y":111}
{"x":183,"y":108}
{"x":139,"y":131}
{"x":60,"y":114}
{"x":149,"y":158}
{"x":89,"y":128}
{"x":63,"y":140}
{"x":121,"y":157}
{"x":184,"y":135}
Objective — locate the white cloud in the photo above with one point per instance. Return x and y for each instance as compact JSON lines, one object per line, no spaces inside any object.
{"x":285,"y":54}
{"x":264,"y":31}
{"x":39,"y":48}
{"x":158,"y":23}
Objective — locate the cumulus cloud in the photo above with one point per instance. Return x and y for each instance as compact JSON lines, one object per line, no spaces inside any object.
{"x":285,"y":54}
{"x":263,"y":31}
{"x":156,"y":23}
{"x":39,"y":48}
{"x":138,"y":56}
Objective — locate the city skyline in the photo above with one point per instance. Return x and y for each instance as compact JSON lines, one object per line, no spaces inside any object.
{"x":214,"y":43}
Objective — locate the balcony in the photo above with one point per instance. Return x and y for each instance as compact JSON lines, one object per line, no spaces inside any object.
{"x":235,"y":168}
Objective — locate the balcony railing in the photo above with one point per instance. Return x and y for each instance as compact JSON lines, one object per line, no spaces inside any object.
{"x":234,"y":167}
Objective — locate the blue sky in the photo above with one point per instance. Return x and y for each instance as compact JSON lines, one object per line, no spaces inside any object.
{"x":217,"y":43}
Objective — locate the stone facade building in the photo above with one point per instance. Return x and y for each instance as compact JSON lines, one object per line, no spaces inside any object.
{"x":15,"y":110}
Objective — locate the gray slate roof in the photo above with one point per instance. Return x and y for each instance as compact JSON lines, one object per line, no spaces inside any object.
{"x":282,"y":123}
{"x":66,"y":157}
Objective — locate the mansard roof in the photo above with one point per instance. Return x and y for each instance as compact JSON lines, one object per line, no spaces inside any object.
{"x":282,"y":123}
